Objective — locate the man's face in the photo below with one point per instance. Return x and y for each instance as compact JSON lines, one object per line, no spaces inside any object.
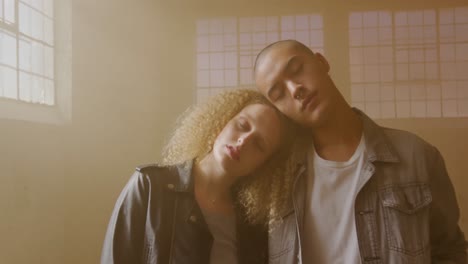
{"x":297,"y":83}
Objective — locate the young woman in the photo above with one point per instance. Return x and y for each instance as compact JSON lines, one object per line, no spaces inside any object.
{"x":223,"y":181}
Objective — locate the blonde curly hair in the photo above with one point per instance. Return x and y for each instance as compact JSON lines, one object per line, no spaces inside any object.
{"x":271,"y":184}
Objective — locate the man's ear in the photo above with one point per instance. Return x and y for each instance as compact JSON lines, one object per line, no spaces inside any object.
{"x":323,"y":61}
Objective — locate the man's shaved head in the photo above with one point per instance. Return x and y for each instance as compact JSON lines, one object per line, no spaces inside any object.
{"x":290,"y":43}
{"x":296,"y":81}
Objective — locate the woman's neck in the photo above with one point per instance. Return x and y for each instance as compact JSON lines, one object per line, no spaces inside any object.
{"x":212,"y":187}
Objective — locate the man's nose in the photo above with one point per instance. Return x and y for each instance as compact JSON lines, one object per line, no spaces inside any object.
{"x":295,"y":89}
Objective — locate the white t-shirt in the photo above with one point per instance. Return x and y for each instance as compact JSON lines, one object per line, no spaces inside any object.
{"x":329,"y":220}
{"x":223,"y":229}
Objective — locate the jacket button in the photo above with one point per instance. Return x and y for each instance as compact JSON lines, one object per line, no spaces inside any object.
{"x":170,"y":186}
{"x":193,"y":218}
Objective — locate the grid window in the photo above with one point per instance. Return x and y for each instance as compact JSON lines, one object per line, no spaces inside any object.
{"x":216,"y":55}
{"x":371,"y":62}
{"x":227,"y":47}
{"x":409,"y":63}
{"x":453,"y":48}
{"x":27,"y":51}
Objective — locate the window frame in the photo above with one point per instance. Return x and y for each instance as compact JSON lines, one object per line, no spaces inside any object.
{"x":243,"y":46}
{"x":438,"y":103}
{"x":60,"y":112}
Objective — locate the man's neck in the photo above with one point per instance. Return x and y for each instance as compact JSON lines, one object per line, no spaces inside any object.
{"x":339,"y":137}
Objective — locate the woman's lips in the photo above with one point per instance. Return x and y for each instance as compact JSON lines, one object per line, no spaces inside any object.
{"x":233,"y":152}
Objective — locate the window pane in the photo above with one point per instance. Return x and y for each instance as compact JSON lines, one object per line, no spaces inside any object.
{"x":25,"y":53}
{"x":37,"y":58}
{"x":48,"y":31}
{"x":49,"y":92}
{"x":34,"y":24}
{"x":216,"y":78}
{"x":24,"y":19}
{"x":8,"y":85}
{"x":230,"y":78}
{"x":7,"y":48}
{"x":49,"y":62}
{"x":38,"y":4}
{"x":203,"y":79}
{"x":1,"y":10}
{"x":9,"y":11}
{"x":37,"y":27}
{"x":461,"y":15}
{"x":25,"y":86}
{"x":49,"y":8}
{"x":37,"y":90}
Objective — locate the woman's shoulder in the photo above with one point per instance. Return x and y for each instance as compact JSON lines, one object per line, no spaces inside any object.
{"x":154,"y":168}
{"x":156,"y":171}
{"x":163,"y":174}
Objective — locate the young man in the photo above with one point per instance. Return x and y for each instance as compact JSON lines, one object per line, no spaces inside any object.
{"x":366,"y":194}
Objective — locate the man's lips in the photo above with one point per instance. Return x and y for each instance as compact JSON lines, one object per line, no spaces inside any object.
{"x":307,"y":101}
{"x":233,"y":152}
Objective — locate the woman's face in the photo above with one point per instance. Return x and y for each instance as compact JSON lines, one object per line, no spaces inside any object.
{"x":248,"y":140}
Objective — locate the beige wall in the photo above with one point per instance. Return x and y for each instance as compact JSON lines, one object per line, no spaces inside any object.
{"x":133,"y":73}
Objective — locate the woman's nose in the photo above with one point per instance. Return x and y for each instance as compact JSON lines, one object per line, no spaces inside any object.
{"x":244,"y":139}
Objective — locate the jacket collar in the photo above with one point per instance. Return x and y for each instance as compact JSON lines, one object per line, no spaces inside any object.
{"x":185,"y":183}
{"x":378,"y":146}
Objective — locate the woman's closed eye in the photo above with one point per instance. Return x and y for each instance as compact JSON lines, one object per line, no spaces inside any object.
{"x":243,"y":124}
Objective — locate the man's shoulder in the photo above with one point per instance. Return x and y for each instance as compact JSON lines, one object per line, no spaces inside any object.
{"x":405,"y":141}
{"x":396,"y":138}
{"x":399,"y":134}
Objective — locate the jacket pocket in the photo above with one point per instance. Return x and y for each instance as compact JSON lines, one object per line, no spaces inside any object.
{"x":406,"y":217}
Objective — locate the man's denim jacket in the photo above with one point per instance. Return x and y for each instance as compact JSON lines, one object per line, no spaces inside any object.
{"x":406,"y":212}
